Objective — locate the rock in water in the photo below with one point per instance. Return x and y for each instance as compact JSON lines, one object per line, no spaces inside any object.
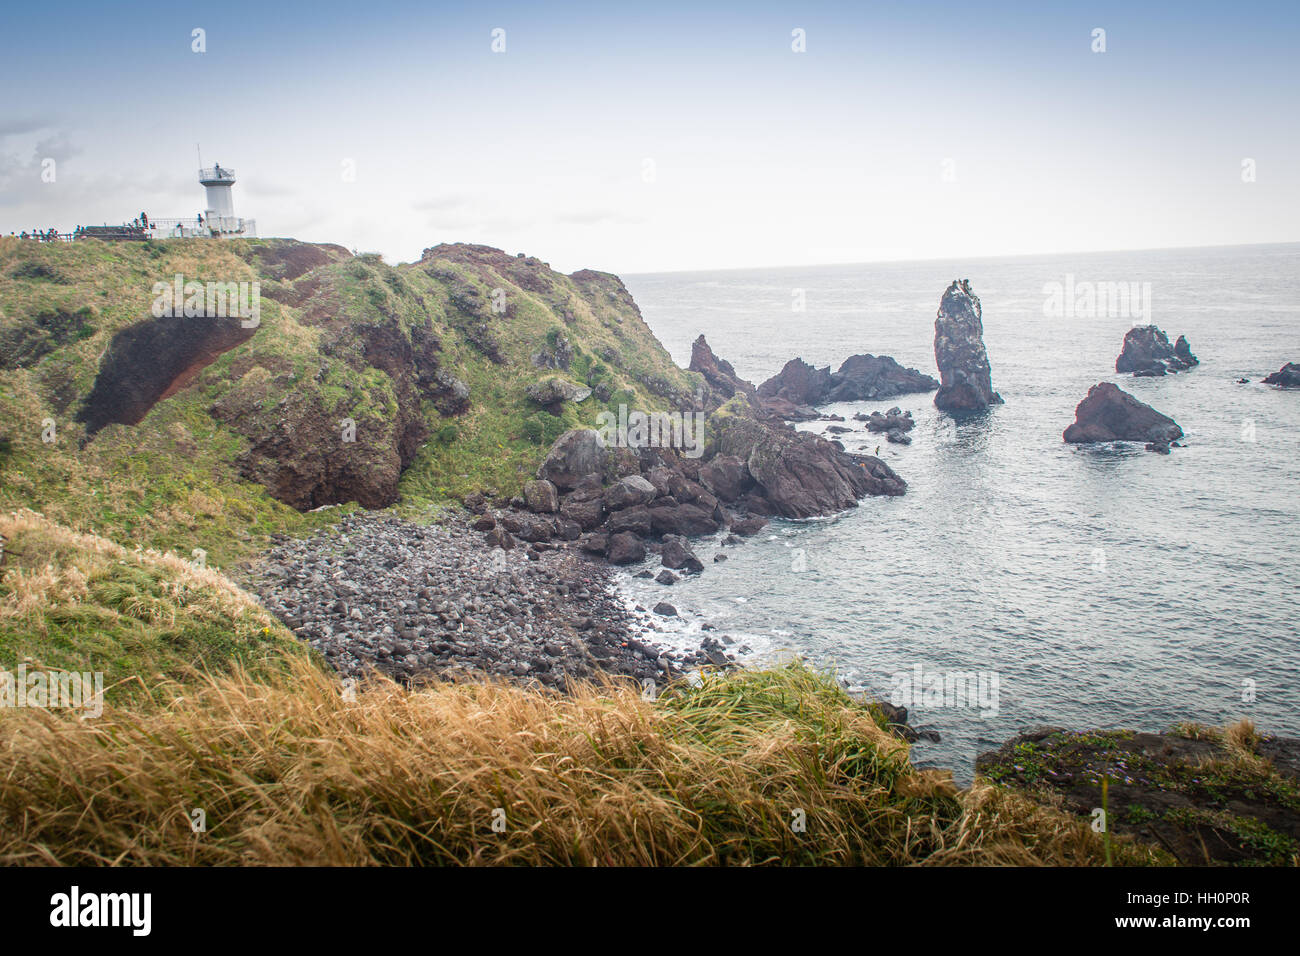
{"x":1288,"y":376}
{"x":1146,"y":352}
{"x":1110,"y":414}
{"x":966,"y":381}
{"x":860,"y":378}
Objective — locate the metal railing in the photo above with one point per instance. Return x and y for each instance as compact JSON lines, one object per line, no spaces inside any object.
{"x":216,"y":174}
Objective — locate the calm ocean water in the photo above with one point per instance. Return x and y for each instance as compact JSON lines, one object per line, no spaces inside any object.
{"x":1103,"y":587}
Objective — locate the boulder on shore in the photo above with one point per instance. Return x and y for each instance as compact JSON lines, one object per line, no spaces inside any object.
{"x":1146,"y":352}
{"x":1288,"y":376}
{"x":1110,"y":414}
{"x":575,"y":454}
{"x":966,"y":380}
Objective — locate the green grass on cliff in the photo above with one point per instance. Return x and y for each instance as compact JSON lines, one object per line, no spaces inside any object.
{"x":173,"y":481}
{"x":145,"y":620}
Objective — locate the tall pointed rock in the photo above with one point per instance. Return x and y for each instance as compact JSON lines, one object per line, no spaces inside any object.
{"x":966,"y":381}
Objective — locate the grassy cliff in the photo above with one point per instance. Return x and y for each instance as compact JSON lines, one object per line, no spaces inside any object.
{"x":336,"y":340}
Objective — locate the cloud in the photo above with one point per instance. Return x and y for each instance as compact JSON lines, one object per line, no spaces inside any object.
{"x":19,"y":126}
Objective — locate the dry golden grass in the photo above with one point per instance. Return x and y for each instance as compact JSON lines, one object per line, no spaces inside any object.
{"x":235,"y":720}
{"x":52,"y":565}
{"x":288,"y":771}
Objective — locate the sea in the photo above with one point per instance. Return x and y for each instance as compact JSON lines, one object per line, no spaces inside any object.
{"x":1021,"y":581}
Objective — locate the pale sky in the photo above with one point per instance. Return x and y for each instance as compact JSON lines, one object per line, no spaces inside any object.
{"x":667,"y":136}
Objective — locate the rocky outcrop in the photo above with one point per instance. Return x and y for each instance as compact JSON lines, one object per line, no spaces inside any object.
{"x":893,"y":420}
{"x":717,"y":372}
{"x":1204,"y":795}
{"x":552,"y":393}
{"x":1288,"y":376}
{"x":804,"y":475}
{"x":798,"y":383}
{"x":1146,"y":352}
{"x":966,"y":380}
{"x":1110,"y":414}
{"x":799,"y":386}
{"x":625,"y":503}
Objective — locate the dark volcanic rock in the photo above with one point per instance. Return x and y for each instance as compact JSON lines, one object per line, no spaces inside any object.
{"x":798,"y":383}
{"x":682,"y":519}
{"x":802,"y":474}
{"x":870,"y":377}
{"x":415,"y":601}
{"x":964,"y":373}
{"x":625,"y":548}
{"x":1109,"y":414}
{"x":575,"y":454}
{"x":746,"y":527}
{"x":719,"y":373}
{"x":893,"y":420}
{"x":629,"y":492}
{"x":1288,"y":376}
{"x":677,"y":554}
{"x":1199,"y":797}
{"x":726,"y":476}
{"x":860,"y":378}
{"x":1146,"y":352}
{"x":541,"y":496}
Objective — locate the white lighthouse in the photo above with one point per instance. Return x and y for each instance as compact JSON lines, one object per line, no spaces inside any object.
{"x":219,"y":216}
{"x":218,"y":219}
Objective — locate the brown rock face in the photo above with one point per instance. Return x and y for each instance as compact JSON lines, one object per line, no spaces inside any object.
{"x":1110,"y":414}
{"x":966,"y":381}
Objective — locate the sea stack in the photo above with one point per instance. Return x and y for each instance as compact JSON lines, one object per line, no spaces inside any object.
{"x":1146,"y":353}
{"x":966,"y":381}
{"x":1111,"y":414}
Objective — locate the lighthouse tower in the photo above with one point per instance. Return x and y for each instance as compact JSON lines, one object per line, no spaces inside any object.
{"x":220,"y":212}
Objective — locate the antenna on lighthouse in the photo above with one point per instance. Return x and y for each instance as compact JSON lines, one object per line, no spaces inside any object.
{"x":200,"y":152}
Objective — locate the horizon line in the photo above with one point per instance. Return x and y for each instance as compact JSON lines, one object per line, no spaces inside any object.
{"x":1015,"y":255}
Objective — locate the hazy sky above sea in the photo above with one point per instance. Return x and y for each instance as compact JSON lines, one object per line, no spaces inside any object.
{"x":760,"y":155}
